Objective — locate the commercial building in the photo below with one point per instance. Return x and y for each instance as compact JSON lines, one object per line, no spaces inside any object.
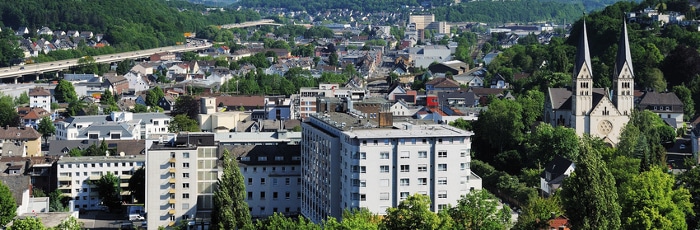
{"x":352,"y":160}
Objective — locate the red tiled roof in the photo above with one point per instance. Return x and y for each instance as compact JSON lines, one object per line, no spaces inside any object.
{"x":39,"y":91}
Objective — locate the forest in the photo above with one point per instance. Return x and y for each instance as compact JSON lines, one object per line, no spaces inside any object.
{"x":510,"y":11}
{"x":313,"y":7}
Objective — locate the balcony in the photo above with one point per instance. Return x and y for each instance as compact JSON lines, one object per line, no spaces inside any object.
{"x":95,"y":177}
{"x":171,"y":191}
{"x":64,"y":186}
{"x":64,"y":178}
{"x":124,"y":185}
{"x":171,"y":170}
{"x":172,"y":160}
{"x":171,"y":211}
{"x":172,"y":181}
{"x":125,"y":177}
{"x":171,"y":201}
{"x":125,"y":193}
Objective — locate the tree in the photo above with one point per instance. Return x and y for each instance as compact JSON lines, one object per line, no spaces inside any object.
{"x":8,"y":113}
{"x":354,"y":219}
{"x":8,"y":207}
{"x":69,"y":224}
{"x":478,"y":209}
{"x":333,"y":59}
{"x":461,"y":123}
{"x":589,"y":194}
{"x":546,"y":142}
{"x":498,"y":129}
{"x":182,"y":123}
{"x":230,"y":208}
{"x":124,"y":66}
{"x":686,"y":97}
{"x":153,"y":96}
{"x":65,"y":92}
{"x":535,"y":213}
{"x":690,"y":180}
{"x":137,"y":185}
{"x":411,"y":213}
{"x":109,"y":190}
{"x":33,"y":223}
{"x":23,"y":99}
{"x":189,"y":56}
{"x":56,"y":202}
{"x":186,"y":105}
{"x":9,"y":48}
{"x":46,"y":128}
{"x":649,"y":202}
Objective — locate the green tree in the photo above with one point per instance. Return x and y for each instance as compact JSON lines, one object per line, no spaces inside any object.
{"x":23,"y":99}
{"x":649,"y":201}
{"x":412,"y":213}
{"x":333,"y":59}
{"x":9,"y":48}
{"x":546,"y":142}
{"x":498,"y":129}
{"x":109,"y":190}
{"x":535,"y":213}
{"x":56,"y":202}
{"x":478,"y":209}
{"x":137,"y":185}
{"x":186,"y":105}
{"x":182,"y":123}
{"x":46,"y":128}
{"x":686,"y":97}
{"x":65,"y":92}
{"x":153,"y":96}
{"x":124,"y":66}
{"x":139,"y":108}
{"x":27,"y":223}
{"x":8,"y":207}
{"x":71,"y":223}
{"x":189,"y":56}
{"x":690,"y":180}
{"x":589,"y":194}
{"x":461,"y":123}
{"x":8,"y":112}
{"x":354,"y":219}
{"x":230,"y":208}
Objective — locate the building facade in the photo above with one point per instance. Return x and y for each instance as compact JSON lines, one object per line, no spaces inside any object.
{"x":76,"y":174}
{"x":40,"y":97}
{"x":351,"y":162}
{"x":116,"y":126}
{"x":599,"y":112}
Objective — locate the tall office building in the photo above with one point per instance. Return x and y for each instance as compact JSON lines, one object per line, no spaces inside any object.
{"x":421,"y":21}
{"x":366,"y":160}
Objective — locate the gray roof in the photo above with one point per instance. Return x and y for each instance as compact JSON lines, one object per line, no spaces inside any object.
{"x":105,"y":130}
{"x":144,"y":117}
{"x":129,"y":147}
{"x":623,"y":52}
{"x":561,"y":97}
{"x":270,"y":152}
{"x":661,"y":100}
{"x":17,"y":185}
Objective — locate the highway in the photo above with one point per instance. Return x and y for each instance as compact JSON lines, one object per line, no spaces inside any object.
{"x":251,"y":24}
{"x":38,"y":68}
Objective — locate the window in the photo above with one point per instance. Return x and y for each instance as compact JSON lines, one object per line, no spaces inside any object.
{"x":262,"y":195}
{"x":355,"y":182}
{"x":274,"y":195}
{"x":384,"y":169}
{"x":355,"y":168}
{"x":422,"y":168}
{"x":363,"y":197}
{"x":442,"y":167}
{"x":363,"y":169}
{"x":442,"y":194}
{"x":463,"y":153}
{"x":405,"y":182}
{"x":442,"y":154}
{"x":279,"y":158}
{"x":355,"y":196}
{"x":363,"y":183}
{"x":404,"y":195}
{"x":463,"y":180}
{"x":363,"y":155}
{"x":185,"y":165}
{"x":262,"y":180}
{"x":422,"y":154}
{"x":185,"y":185}
{"x":250,"y":181}
{"x":274,"y":181}
{"x":413,"y":141}
{"x":185,"y":155}
{"x":441,"y":207}
{"x":442,"y":180}
{"x":185,"y":196}
{"x":422,"y":181}
{"x":386,"y":141}
{"x":405,"y":154}
{"x":405,"y":168}
{"x":384,"y":155}
{"x":464,"y":166}
{"x":286,"y":195}
{"x":376,"y":142}
{"x":250,"y":195}
{"x":425,"y":141}
{"x":287,"y":181}
{"x":185,"y":175}
{"x":384,"y":196}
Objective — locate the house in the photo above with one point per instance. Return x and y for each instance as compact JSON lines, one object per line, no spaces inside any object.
{"x":461,"y":98}
{"x":166,"y":102}
{"x":44,"y":31}
{"x":115,"y":147}
{"x":115,"y":84}
{"x":453,"y":67}
{"x":145,"y":68}
{"x":116,"y":126}
{"x":137,"y":82}
{"x":499,"y":82}
{"x":554,"y":173}
{"x":394,"y":90}
{"x":441,"y":84}
{"x":20,"y":141}
{"x":40,"y":97}
{"x":667,"y":105}
{"x":162,"y":57}
{"x":31,"y":116}
{"x":471,"y":80}
{"x":22,"y":31}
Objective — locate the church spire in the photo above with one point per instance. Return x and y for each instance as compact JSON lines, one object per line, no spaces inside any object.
{"x":623,"y":52}
{"x":583,"y":54}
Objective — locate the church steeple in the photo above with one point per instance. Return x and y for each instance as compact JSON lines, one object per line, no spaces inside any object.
{"x":582,"y":79}
{"x":623,"y":79}
{"x":583,"y":54}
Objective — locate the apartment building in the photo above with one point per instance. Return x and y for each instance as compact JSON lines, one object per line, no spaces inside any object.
{"x":181,"y":174}
{"x":20,"y":141}
{"x":421,"y":21}
{"x":349,"y":161}
{"x":76,"y":173}
{"x":118,"y":125}
{"x":306,"y":100}
{"x":40,"y":97}
{"x":272,"y":177}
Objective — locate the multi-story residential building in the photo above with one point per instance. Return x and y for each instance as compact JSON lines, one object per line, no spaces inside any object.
{"x":272,"y":177}
{"x":258,"y":138}
{"x":118,"y":125}
{"x":180,"y":179}
{"x":350,"y":161}
{"x":307,"y":97}
{"x":421,"y":21}
{"x":40,"y":97}
{"x":20,"y":141}
{"x":76,"y":173}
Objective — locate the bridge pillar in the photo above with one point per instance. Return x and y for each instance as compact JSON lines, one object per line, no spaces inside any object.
{"x":37,"y":77}
{"x":16,"y":80}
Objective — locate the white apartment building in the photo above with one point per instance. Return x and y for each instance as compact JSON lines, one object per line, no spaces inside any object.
{"x":272,"y":178}
{"x":118,"y":125}
{"x":350,"y":162}
{"x":180,"y":179}
{"x":40,"y":97}
{"x":307,"y":97}
{"x":75,"y":174}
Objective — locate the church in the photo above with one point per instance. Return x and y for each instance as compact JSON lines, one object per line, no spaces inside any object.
{"x":600,"y":112}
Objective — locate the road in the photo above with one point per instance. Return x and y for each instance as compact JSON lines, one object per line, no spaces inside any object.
{"x":251,"y":24}
{"x":35,"y":69}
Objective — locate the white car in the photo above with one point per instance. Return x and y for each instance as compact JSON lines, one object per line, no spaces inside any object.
{"x":136,"y":218}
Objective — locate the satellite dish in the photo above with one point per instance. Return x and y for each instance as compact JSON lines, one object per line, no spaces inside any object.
{"x":121,"y":154}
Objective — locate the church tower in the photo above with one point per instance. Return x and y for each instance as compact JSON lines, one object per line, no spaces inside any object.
{"x":582,"y":86}
{"x":623,"y":80}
